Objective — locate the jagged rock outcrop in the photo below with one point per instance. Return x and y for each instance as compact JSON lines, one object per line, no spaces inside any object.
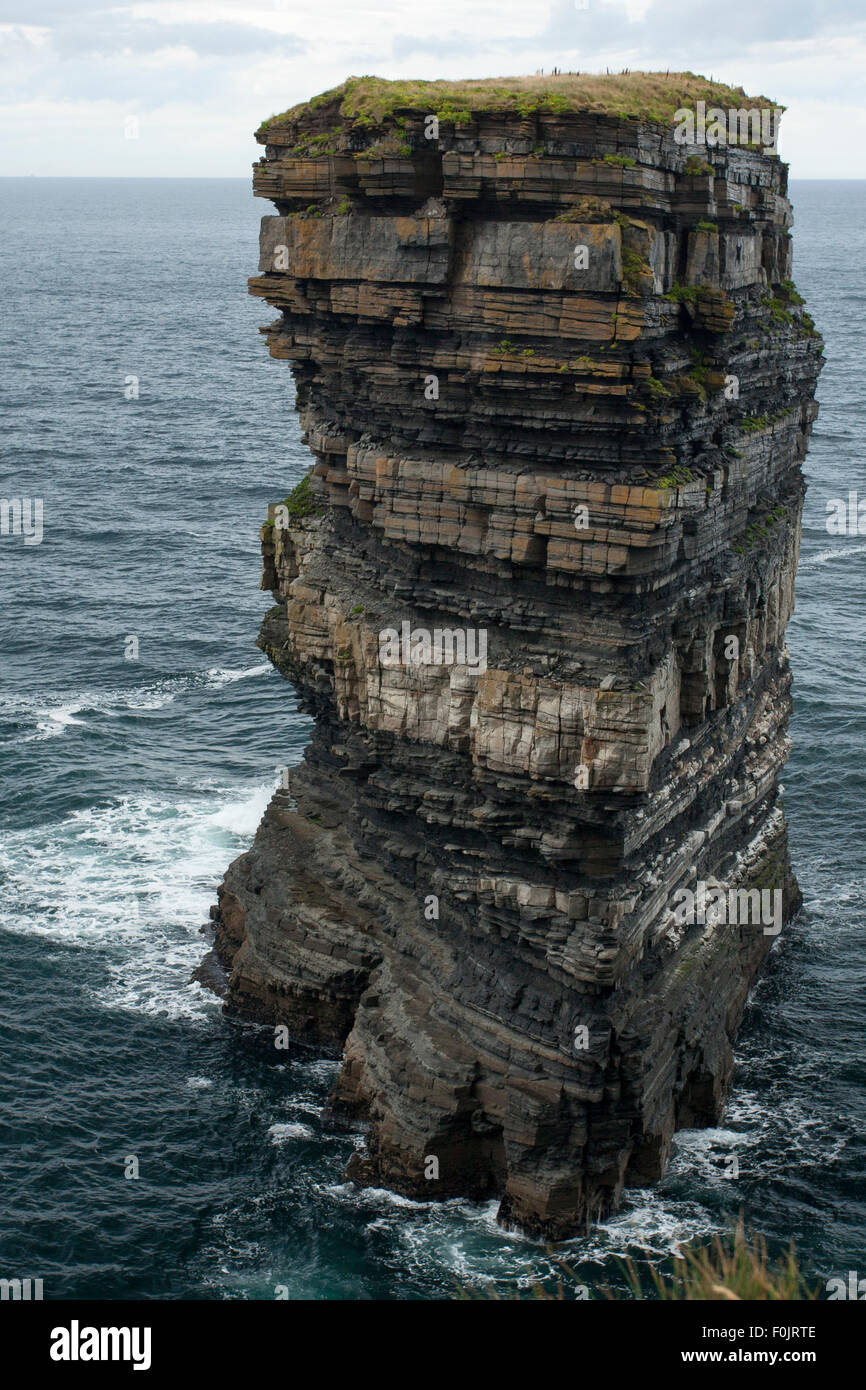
{"x":558,"y":387}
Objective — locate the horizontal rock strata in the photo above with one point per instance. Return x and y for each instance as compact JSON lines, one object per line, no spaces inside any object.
{"x":558,"y":388}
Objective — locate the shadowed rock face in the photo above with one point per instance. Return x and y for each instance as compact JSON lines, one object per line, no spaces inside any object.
{"x":558,"y":389}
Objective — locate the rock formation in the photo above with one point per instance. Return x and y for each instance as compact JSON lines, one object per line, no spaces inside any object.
{"x":558,"y":386}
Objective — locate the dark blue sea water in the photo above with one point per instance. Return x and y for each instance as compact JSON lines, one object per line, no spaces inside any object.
{"x":128,"y":785}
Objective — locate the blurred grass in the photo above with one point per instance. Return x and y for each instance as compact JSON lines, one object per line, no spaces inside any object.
{"x":732,"y":1268}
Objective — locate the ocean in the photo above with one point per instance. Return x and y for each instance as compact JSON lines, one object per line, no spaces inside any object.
{"x":150,"y":1147}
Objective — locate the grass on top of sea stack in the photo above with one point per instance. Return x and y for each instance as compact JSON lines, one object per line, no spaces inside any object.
{"x":651,"y":96}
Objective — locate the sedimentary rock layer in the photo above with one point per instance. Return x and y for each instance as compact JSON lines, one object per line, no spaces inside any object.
{"x":558,"y":387}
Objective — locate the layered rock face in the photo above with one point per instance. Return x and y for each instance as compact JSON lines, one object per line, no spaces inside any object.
{"x":557,"y":387}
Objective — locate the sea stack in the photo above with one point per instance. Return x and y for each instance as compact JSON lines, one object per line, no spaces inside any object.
{"x":557,"y":386}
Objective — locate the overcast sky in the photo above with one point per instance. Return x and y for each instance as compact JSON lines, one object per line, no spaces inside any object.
{"x":199,"y":75}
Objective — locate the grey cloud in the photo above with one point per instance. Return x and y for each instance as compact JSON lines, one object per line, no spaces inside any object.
{"x":679,"y":31}
{"x":670,"y":35}
{"x":114,"y":34}
{"x":456,"y":46}
{"x":104,"y":33}
{"x":101,"y":55}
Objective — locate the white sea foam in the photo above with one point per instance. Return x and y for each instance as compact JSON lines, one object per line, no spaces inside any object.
{"x":52,"y":721}
{"x":241,"y":817}
{"x":373,"y":1197}
{"x":463,"y":1240}
{"x":302,"y":1106}
{"x":52,"y":713}
{"x":824,"y":556}
{"x":131,"y":883}
{"x":280,"y":1133}
{"x":218,"y":677}
{"x":652,"y":1221}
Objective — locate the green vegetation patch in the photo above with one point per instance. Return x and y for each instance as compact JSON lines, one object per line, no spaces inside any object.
{"x":301,"y":502}
{"x":656,"y":388}
{"x":760,"y":530}
{"x":777,"y":306}
{"x":619,"y":161}
{"x":678,"y":476}
{"x":682,"y":294}
{"x":788,"y":292}
{"x":589,"y":209}
{"x":648,"y":96}
{"x":696,"y":165}
{"x":634,"y":268}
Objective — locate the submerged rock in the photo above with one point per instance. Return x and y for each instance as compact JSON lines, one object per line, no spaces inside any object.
{"x":558,"y":388}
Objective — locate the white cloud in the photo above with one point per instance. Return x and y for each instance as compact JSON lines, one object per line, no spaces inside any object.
{"x":35,"y":35}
